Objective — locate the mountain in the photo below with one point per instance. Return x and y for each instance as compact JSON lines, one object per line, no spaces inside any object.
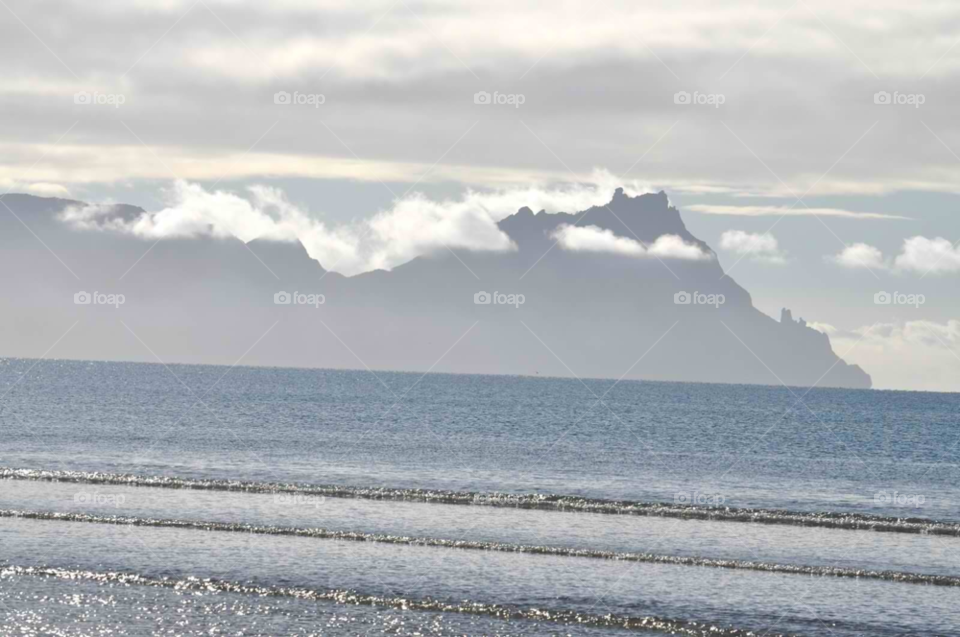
{"x":585,"y":312}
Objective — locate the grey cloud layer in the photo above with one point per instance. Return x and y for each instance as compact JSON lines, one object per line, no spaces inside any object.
{"x":598,"y":86}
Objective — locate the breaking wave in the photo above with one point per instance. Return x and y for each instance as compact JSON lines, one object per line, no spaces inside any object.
{"x":563,"y":617}
{"x":823,"y":519}
{"x":557,"y":551}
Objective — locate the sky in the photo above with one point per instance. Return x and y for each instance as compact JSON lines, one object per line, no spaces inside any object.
{"x":812,"y":144}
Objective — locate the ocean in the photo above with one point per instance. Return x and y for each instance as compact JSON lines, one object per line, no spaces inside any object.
{"x":140,"y":499}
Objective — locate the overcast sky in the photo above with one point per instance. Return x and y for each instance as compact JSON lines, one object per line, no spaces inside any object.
{"x":814,"y":145}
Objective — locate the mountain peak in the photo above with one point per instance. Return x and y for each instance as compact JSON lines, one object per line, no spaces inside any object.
{"x":645,"y":217}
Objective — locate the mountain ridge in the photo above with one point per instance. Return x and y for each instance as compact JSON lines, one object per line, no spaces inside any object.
{"x":205,"y":300}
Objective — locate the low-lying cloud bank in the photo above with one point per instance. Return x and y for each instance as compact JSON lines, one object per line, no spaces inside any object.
{"x":413,"y":226}
{"x":596,"y":239}
{"x":918,"y":255}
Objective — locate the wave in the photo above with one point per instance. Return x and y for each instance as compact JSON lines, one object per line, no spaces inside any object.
{"x":507,"y":613}
{"x":545,"y":502}
{"x":557,"y":551}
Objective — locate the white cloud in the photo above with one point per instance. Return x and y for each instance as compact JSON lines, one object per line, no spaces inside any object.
{"x":759,"y":247}
{"x":918,"y":255}
{"x":826,"y":328}
{"x":47,"y":190}
{"x":596,"y":239}
{"x":414,"y":225}
{"x":670,"y":246}
{"x":787,"y":211}
{"x":93,"y":217}
{"x":917,"y":355}
{"x":193,"y":211}
{"x":935,"y":256}
{"x":860,"y":255}
{"x":40,"y":188}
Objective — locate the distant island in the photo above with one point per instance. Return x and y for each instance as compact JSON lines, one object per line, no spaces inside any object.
{"x":619,"y":290}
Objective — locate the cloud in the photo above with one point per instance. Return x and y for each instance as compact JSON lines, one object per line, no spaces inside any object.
{"x":918,"y":355}
{"x":122,"y":162}
{"x":826,"y":328}
{"x":918,"y":255}
{"x":413,"y":226}
{"x":399,"y":86}
{"x":42,"y":189}
{"x":759,"y":247}
{"x":936,"y":256}
{"x":420,"y":36}
{"x":786,"y":211}
{"x":101,"y":216}
{"x":670,"y":246}
{"x":47,"y":190}
{"x":860,"y":255}
{"x":596,"y":239}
